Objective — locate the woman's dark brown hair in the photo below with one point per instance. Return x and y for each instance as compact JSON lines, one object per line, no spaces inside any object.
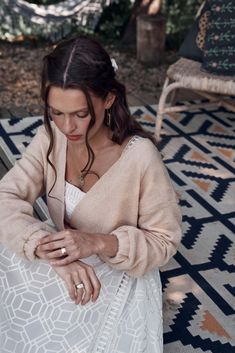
{"x":82,"y":63}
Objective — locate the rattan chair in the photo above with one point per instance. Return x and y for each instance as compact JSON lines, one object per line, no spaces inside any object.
{"x":188,"y":74}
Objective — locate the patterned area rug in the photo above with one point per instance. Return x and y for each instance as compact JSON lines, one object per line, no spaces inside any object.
{"x":198,"y":283}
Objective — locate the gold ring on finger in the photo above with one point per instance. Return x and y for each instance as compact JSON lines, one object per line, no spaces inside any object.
{"x":79,"y":286}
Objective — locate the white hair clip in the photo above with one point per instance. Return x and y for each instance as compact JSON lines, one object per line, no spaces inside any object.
{"x":114,"y":64}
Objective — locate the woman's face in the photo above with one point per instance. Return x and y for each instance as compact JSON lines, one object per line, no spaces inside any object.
{"x":68,"y":109}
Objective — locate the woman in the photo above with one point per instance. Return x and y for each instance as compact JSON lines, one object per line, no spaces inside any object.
{"x":114,"y":209}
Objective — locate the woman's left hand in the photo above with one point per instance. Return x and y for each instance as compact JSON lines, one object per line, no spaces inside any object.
{"x":67,"y":246}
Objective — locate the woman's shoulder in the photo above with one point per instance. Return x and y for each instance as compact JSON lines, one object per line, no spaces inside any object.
{"x":43,"y":135}
{"x":40,"y":138}
{"x":43,"y":130}
{"x":41,"y":141}
{"x":141,"y":153}
{"x":142,"y":147}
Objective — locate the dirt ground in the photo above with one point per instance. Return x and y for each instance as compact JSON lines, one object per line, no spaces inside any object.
{"x":20,"y":67}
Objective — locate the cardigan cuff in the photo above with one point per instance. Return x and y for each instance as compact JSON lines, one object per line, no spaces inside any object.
{"x":123,"y":245}
{"x":30,"y":244}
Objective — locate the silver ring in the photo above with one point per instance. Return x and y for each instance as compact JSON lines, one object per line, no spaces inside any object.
{"x":79,"y":286}
{"x":63,"y":251}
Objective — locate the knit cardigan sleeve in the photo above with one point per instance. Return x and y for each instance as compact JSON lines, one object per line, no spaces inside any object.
{"x":19,"y":189}
{"x":158,"y":233}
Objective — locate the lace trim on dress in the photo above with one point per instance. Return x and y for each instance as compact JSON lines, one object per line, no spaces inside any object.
{"x":131,"y":142}
{"x":106,"y":330}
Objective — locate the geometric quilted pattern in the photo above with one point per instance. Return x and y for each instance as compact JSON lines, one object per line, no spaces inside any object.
{"x":198,"y":148}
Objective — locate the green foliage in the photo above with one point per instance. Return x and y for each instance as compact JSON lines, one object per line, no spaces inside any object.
{"x":113,"y":20}
{"x":180,"y":16}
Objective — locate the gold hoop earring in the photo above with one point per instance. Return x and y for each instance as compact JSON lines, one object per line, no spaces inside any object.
{"x":109,"y":118}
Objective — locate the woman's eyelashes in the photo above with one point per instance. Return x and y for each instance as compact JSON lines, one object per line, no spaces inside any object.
{"x":81,"y":115}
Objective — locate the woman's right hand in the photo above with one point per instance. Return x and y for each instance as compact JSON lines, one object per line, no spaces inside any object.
{"x":79,"y":272}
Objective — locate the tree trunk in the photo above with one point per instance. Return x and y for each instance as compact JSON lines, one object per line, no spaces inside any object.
{"x":149,"y":7}
{"x":151,"y":33}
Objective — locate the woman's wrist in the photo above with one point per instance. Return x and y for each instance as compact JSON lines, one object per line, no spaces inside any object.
{"x":107,"y":245}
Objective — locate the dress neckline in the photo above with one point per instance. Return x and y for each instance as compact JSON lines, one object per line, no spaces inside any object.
{"x":129,"y":143}
{"x":74,"y":186}
{"x":92,"y":192}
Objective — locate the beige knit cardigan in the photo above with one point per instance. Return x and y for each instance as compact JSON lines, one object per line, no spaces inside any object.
{"x":134,"y":200}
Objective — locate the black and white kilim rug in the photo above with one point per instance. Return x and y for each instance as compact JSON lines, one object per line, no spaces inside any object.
{"x":199,"y":282}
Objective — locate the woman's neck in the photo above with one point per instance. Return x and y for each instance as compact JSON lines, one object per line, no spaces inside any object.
{"x":99,"y":142}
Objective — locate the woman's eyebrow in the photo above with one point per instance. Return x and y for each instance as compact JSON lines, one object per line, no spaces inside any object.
{"x":77,"y":111}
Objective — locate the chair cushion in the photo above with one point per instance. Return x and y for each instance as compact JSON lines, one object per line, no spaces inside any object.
{"x":192,"y":46}
{"x":219,"y":48}
{"x":188,"y":74}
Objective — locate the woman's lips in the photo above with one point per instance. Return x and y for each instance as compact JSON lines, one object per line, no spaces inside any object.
{"x":73,"y":137}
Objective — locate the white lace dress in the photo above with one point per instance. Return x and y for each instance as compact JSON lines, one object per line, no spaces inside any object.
{"x":37,"y":315}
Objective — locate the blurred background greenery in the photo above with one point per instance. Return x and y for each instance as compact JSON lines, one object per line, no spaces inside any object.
{"x":179,"y":16}
{"x":112,"y":23}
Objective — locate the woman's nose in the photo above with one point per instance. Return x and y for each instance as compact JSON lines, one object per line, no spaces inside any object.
{"x":69,"y":124}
